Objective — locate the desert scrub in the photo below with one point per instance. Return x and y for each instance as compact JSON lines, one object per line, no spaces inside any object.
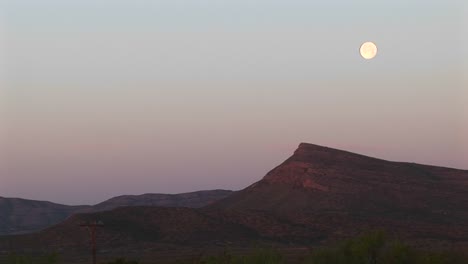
{"x":51,"y":258}
{"x":257,"y":256}
{"x":375,"y":248}
{"x":122,"y":261}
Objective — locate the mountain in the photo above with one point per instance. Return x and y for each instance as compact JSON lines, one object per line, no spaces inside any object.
{"x":318,"y":179}
{"x":24,"y":216}
{"x":191,"y":199}
{"x":318,"y":195}
{"x":19,"y":216}
{"x":340,"y":192}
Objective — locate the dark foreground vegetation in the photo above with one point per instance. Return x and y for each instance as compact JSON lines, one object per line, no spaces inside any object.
{"x":376,"y":248}
{"x":370,"y":248}
{"x":26,"y":259}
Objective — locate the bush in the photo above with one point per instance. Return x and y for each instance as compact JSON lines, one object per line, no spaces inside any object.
{"x":259,"y":256}
{"x":375,"y":248}
{"x":27,"y":259}
{"x":122,"y":261}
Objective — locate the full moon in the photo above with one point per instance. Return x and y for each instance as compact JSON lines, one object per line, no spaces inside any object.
{"x":368,"y":50}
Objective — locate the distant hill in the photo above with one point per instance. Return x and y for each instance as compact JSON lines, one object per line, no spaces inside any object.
{"x":20,"y":216}
{"x":191,"y":199}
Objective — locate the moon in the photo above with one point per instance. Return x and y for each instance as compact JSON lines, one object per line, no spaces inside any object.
{"x":368,"y":50}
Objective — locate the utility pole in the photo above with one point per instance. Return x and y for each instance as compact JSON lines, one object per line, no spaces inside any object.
{"x":92,"y":227}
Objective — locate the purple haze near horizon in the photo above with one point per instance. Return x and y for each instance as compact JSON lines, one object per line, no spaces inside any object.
{"x":104,"y":98}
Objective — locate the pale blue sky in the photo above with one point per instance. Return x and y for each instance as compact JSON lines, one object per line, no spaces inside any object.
{"x":174,"y":96}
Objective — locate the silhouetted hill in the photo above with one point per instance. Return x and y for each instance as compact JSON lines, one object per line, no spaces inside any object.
{"x":191,"y":199}
{"x":19,"y":216}
{"x":23,"y":216}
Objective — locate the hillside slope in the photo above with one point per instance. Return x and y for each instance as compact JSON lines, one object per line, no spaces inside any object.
{"x":20,"y":216}
{"x":317,"y":195}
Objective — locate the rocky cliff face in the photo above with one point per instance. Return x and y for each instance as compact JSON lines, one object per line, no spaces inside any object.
{"x":319,"y":179}
{"x":340,"y":193}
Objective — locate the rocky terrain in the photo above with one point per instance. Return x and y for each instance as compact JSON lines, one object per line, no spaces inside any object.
{"x":339,"y":193}
{"x":316,"y":196}
{"x":20,"y":216}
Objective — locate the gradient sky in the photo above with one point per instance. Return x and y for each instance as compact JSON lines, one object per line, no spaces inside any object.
{"x":103,"y":98}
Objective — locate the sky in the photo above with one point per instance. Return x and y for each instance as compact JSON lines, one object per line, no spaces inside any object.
{"x":103,"y":98}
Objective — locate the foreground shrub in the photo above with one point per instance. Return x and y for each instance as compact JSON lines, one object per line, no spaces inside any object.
{"x":259,"y":256}
{"x":122,"y":261}
{"x":29,"y":259}
{"x":375,"y":248}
